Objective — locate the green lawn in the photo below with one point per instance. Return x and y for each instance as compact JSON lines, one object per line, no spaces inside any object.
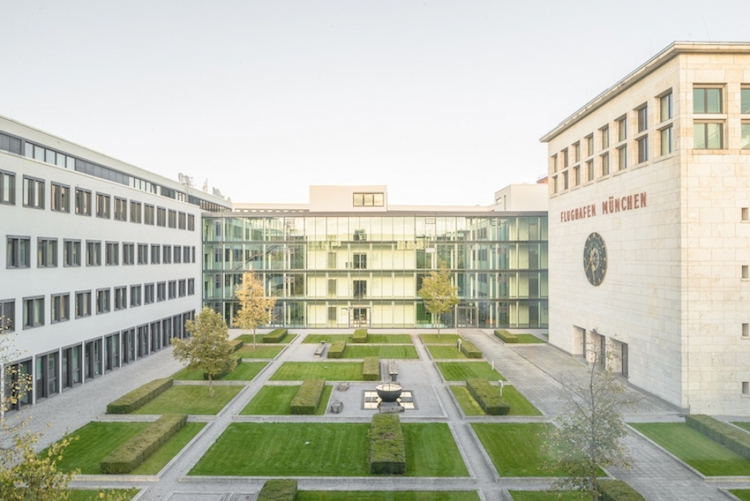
{"x":439,"y":352}
{"x":371,"y":338}
{"x":519,"y":406}
{"x":742,"y":494}
{"x":276,"y":401}
{"x":694,"y":448}
{"x":330,"y":371}
{"x":387,"y":496}
{"x":439,"y":338}
{"x":461,"y":371}
{"x":742,"y":424}
{"x":93,"y":495}
{"x":190,"y":400}
{"x":260,"y":351}
{"x":515,"y":448}
{"x":431,"y":451}
{"x":528,"y":339}
{"x":245,"y":371}
{"x":166,"y":452}
{"x":248,"y":339}
{"x":549,"y":496}
{"x":380,"y":351}
{"x":328,"y":338}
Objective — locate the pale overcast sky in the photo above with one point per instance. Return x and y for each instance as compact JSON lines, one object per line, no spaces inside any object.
{"x":443,"y":101}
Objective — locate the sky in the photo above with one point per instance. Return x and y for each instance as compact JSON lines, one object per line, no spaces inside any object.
{"x":442,"y":101}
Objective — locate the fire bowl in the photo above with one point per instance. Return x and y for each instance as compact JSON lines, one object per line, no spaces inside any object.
{"x":389,"y":392}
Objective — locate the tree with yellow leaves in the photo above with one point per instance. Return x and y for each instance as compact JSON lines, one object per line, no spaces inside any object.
{"x":255,"y":307}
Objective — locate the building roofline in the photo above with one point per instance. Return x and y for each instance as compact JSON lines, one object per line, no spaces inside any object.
{"x":665,"y":55}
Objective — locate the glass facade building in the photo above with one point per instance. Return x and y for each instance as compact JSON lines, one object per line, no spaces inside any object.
{"x":340,"y":270}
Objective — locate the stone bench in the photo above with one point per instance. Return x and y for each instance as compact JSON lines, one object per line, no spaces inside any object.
{"x":320,"y":349}
{"x":337,"y":406}
{"x":392,"y":370}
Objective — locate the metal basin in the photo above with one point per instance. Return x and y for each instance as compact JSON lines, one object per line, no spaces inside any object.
{"x":389,"y":392}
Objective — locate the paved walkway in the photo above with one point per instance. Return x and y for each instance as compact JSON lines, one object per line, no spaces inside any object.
{"x":538,"y":371}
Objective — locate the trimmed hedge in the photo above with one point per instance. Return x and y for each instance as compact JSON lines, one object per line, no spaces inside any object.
{"x":617,"y":490}
{"x":371,"y":369}
{"x":135,"y":451}
{"x":387,"y":449}
{"x":470,"y":350}
{"x":359,"y":336}
{"x":308,"y":396}
{"x":730,"y":437}
{"x":236,"y":344}
{"x":337,"y":349}
{"x":278,"y":490}
{"x":275,"y":336}
{"x":488,"y":397}
{"x":139,"y":397}
{"x":506,"y":336}
{"x":215,"y":377}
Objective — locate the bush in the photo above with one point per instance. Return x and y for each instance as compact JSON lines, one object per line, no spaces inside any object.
{"x":139,"y":397}
{"x":387,"y":449}
{"x":470,"y":350}
{"x":214,"y":377}
{"x":488,"y":397}
{"x":236,"y":344}
{"x":308,"y":396}
{"x":617,"y":490}
{"x":730,"y":437}
{"x":371,"y":369}
{"x":135,"y":451}
{"x":278,"y":490}
{"x":275,"y":336}
{"x":337,"y":349}
{"x":506,"y":336}
{"x":360,"y":336}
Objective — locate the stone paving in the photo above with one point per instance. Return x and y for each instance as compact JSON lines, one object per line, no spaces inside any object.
{"x":538,"y":371}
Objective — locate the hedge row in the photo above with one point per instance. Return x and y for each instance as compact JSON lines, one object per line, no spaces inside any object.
{"x":727,"y":435}
{"x":278,"y":490}
{"x":215,"y":377}
{"x":506,"y":336}
{"x":488,"y":397}
{"x":135,"y":451}
{"x":360,"y":336}
{"x":371,"y":369}
{"x":139,"y":397}
{"x":617,"y":490}
{"x":236,"y":344}
{"x":275,"y":336}
{"x":308,"y":396}
{"x":337,"y":349}
{"x":387,"y":449}
{"x":470,"y":350}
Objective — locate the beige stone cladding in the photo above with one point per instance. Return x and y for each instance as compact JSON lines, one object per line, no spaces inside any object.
{"x":673,"y":290}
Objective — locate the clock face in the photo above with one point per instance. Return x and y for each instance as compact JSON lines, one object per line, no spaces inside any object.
{"x":595,"y":259}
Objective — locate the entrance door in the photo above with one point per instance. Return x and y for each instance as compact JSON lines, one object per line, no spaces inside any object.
{"x":467,"y":316}
{"x":359,"y":317}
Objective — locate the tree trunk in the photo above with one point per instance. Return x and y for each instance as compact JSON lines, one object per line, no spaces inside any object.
{"x":253,"y":339}
{"x":210,"y":386}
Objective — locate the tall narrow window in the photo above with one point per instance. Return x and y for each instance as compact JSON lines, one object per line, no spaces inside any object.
{"x":33,"y":193}
{"x":46,"y":252}
{"x":72,"y":253}
{"x":121,"y":209}
{"x":642,"y":118}
{"x":112,"y":257}
{"x":60,"y":201}
{"x":745,"y":138}
{"x":7,"y":188}
{"x":83,"y":304}
{"x":83,"y":202}
{"x":148,"y":214}
{"x":666,"y":140}
{"x":605,"y":137}
{"x":590,"y":170}
{"x":103,"y":206}
{"x":622,"y":158}
{"x":745,"y":100}
{"x":60,"y":308}
{"x":589,"y":145}
{"x":93,"y":253}
{"x":135,"y":211}
{"x":665,"y":107}
{"x":642,"y":149}
{"x":622,"y":129}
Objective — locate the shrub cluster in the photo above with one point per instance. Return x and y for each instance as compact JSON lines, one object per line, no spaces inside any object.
{"x":488,"y":397}
{"x":617,"y":490}
{"x":371,"y":369}
{"x":337,"y":349}
{"x":308,"y":396}
{"x":139,"y":397}
{"x":727,"y":435}
{"x":278,"y":490}
{"x":236,"y":344}
{"x":470,"y":350}
{"x":360,"y":336}
{"x":387,"y":449}
{"x":506,"y":336}
{"x":275,"y":336}
{"x":135,"y":451}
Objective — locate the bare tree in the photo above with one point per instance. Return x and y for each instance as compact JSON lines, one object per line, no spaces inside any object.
{"x":255,"y":307}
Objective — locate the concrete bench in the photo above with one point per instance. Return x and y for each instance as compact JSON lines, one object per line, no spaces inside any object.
{"x":320,"y":349}
{"x":392,"y":370}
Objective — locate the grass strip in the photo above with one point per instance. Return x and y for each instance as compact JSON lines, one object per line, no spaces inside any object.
{"x":277,"y":400}
{"x":440,"y":352}
{"x":461,"y":371}
{"x":245,"y":371}
{"x":192,"y":400}
{"x":260,"y":351}
{"x":387,"y":496}
{"x":519,"y":405}
{"x":166,"y":452}
{"x":515,"y":448}
{"x":330,"y":371}
{"x":549,"y":496}
{"x":380,"y":351}
{"x":328,"y":338}
{"x":742,"y":494}
{"x":93,"y":495}
{"x":440,"y":338}
{"x":431,"y":451}
{"x":248,"y":338}
{"x":95,"y":441}
{"x":135,"y":451}
{"x":529,"y":339}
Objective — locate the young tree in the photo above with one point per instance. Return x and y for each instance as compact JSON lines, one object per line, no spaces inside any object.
{"x":208,"y":349}
{"x":438,"y":293}
{"x":255,"y":307}
{"x":589,"y":433}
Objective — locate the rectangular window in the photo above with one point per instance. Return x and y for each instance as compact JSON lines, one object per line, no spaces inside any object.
{"x":707,"y":100}
{"x":83,"y":304}
{"x":167,"y":254}
{"x":102,"y":301}
{"x":565,"y":181}
{"x":745,"y":138}
{"x":60,"y":311}
{"x":605,"y":137}
{"x":93,"y":253}
{"x":155,"y":253}
{"x":554,"y":184}
{"x":554,"y":163}
{"x":182,"y":288}
{"x":128,"y":253}
{"x":605,"y":164}
{"x":161,"y":216}
{"x":83,"y":202}
{"x":576,"y":175}
{"x":46,"y":253}
{"x":191,"y":222}
{"x":745,"y":100}
{"x":142,"y":253}
{"x":360,"y":288}
{"x":192,"y":257}
{"x":622,"y":158}
{"x":121,"y":298}
{"x":103,"y":206}
{"x":172,"y":289}
{"x":148,"y":214}
{"x":135,"y":295}
{"x":665,"y":107}
{"x":565,"y":158}
{"x":18,"y":252}
{"x":7,"y":188}
{"x":576,"y":153}
{"x":589,"y":145}
{"x":60,"y":198}
{"x":368,"y":200}
{"x":112,"y":254}
{"x":331,"y":287}
{"x":590,"y":170}
{"x":186,"y":254}
{"x":622,"y":129}
{"x":191,"y":286}
{"x":643,"y":149}
{"x":666,"y":140}
{"x":360,"y":261}
{"x":121,"y":209}
{"x":135,"y":211}
{"x":72,"y":253}
{"x":33,"y":312}
{"x":177,"y":254}
{"x":161,"y":291}
{"x":182,"y":220}
{"x":331,"y":313}
{"x":8,"y":315}
{"x":148,"y":293}
{"x":33,"y":193}
{"x":642,"y":118}
{"x":172,"y":220}
{"x":707,"y":135}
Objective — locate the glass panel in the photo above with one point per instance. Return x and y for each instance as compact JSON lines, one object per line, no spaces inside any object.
{"x":699,"y":101}
{"x":745,"y":136}
{"x":713,"y":100}
{"x":714,"y":136}
{"x":699,"y":136}
{"x":745,"y":106}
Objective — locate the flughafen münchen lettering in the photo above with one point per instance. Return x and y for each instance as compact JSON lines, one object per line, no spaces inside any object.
{"x":610,"y":206}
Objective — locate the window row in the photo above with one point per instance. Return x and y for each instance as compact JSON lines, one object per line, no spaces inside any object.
{"x":47,"y":252}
